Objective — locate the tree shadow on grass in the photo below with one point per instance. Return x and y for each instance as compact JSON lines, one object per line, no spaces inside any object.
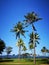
{"x":6,"y":60}
{"x":43,"y":61}
{"x":46,"y":61}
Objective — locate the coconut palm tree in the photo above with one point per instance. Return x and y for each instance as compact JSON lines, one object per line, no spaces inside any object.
{"x":20,"y":44}
{"x":19,"y":30}
{"x":32,"y":37}
{"x":30,"y":19}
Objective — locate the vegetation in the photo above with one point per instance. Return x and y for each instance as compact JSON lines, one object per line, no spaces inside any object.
{"x":32,"y":36}
{"x":24,"y":48}
{"x":30,"y":18}
{"x":24,"y":61}
{"x":21,"y":44}
{"x":44,"y":50}
{"x":8,"y":50}
{"x":2,"y":46}
{"x":19,"y":29}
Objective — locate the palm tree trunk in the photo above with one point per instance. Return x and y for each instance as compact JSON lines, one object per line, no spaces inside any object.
{"x":19,"y":49}
{"x":34,"y":50}
{"x":34,"y":45}
{"x":34,"y":56}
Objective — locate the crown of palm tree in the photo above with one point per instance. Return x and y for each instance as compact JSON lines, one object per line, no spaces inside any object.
{"x":32,"y":36}
{"x":20,"y":42}
{"x":31,"y":46}
{"x":19,"y":29}
{"x":31,"y":18}
{"x":24,"y":48}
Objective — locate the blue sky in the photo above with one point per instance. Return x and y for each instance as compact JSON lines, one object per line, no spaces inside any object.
{"x":12,"y":11}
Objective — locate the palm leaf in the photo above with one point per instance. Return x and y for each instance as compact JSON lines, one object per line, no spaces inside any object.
{"x":17,"y":35}
{"x":38,"y":19}
{"x":32,"y":17}
{"x":34,"y":28}
{"x":37,"y":42}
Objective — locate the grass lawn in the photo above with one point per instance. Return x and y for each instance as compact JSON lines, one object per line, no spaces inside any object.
{"x":39,"y":61}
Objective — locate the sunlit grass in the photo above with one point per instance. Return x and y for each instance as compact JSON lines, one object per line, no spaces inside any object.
{"x":39,"y":61}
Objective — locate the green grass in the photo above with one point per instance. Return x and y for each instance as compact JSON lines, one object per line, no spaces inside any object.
{"x":23,"y":61}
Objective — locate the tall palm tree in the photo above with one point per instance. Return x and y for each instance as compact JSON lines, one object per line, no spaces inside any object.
{"x":19,"y":30}
{"x":32,"y":37}
{"x":30,"y":19}
{"x":20,"y":44}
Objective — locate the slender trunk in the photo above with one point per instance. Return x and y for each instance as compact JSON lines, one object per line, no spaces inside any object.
{"x":34,"y":45}
{"x":34,"y":51}
{"x":19,"y":51}
{"x":34,"y":56}
{"x":19,"y":48}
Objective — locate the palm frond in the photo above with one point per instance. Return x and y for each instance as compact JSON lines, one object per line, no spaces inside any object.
{"x":19,"y":28}
{"x":34,"y":28}
{"x":38,"y":19}
{"x":37,"y":36}
{"x":37,"y":42}
{"x":31,"y":41}
{"x":32,"y":17}
{"x":17,"y":35}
